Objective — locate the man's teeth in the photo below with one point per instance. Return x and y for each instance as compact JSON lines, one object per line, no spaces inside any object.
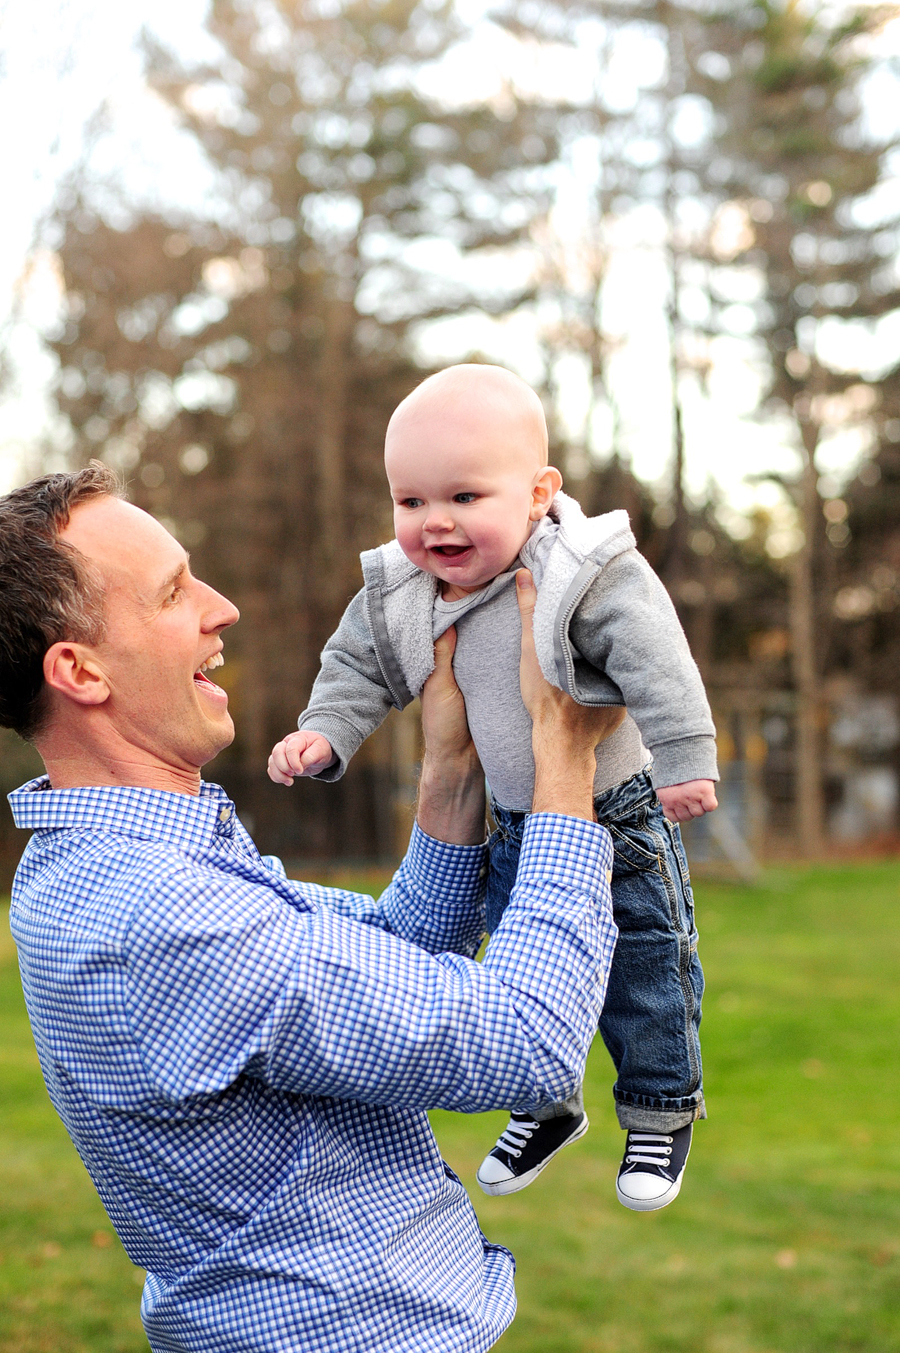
{"x":215,"y":661}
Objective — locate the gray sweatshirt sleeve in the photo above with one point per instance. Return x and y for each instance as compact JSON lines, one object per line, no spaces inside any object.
{"x":349,"y":698}
{"x":626,"y":626}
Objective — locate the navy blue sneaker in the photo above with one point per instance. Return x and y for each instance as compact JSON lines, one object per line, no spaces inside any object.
{"x":652,"y":1168}
{"x":525,"y":1147}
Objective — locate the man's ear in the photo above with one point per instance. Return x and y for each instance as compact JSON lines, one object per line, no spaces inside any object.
{"x":73,"y":670}
{"x":543,"y":491}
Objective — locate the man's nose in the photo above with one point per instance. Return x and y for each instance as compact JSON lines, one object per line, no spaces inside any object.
{"x":219,"y":612}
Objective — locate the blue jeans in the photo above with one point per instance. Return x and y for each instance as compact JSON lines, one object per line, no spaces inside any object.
{"x":650,"y":1022}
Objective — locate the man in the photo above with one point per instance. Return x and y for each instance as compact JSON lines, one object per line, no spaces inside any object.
{"x":244,"y":1062}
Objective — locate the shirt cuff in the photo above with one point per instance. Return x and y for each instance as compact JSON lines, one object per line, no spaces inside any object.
{"x":431,"y":862}
{"x":570,"y":851}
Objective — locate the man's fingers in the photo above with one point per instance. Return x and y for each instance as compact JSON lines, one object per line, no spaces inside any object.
{"x":541,"y":699}
{"x":531,"y":680}
{"x":441,"y":685}
{"x":526,"y":595}
{"x":443,"y":708}
{"x":444,"y":648}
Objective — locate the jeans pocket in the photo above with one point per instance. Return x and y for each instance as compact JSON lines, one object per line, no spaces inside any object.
{"x":635,"y":845}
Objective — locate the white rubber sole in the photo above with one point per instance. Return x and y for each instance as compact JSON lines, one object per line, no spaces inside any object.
{"x":522,"y":1181}
{"x":649,"y":1204}
{"x":654,"y":1204}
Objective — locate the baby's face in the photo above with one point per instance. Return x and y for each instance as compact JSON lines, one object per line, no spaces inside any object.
{"x":464,"y":500}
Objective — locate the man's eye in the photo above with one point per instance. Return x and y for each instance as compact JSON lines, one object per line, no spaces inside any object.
{"x":464,"y":497}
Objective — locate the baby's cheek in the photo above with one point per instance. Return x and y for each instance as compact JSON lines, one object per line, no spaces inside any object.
{"x":501,"y":544}
{"x":409,"y":542}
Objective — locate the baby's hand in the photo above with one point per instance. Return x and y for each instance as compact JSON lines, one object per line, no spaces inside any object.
{"x":692,"y":799}
{"x":304,"y":753}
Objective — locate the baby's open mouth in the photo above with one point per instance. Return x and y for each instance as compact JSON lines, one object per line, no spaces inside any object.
{"x":450,"y":551}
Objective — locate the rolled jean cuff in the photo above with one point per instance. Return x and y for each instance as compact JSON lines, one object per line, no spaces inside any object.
{"x":641,"y":1118}
{"x":573,"y":1105}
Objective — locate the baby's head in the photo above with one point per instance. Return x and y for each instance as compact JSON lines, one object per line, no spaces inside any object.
{"x":466,"y":459}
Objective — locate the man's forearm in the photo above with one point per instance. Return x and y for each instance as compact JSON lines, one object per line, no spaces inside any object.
{"x":451,"y":805}
{"x":563,"y":775}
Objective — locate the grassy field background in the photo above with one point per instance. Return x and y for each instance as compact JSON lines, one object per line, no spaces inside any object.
{"x":786,"y":1238}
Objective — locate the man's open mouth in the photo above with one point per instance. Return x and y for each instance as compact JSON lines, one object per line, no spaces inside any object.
{"x":200,"y":675}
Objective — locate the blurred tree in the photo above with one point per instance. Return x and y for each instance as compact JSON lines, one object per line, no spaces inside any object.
{"x":793,"y":163}
{"x":867,"y":594}
{"x":867,"y":582}
{"x":638,"y":157}
{"x":795,"y":247}
{"x":242,"y":364}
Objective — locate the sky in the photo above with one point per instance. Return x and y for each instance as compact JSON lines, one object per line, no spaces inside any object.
{"x":61,"y":59}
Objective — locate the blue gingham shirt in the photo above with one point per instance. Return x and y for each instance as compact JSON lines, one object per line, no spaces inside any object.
{"x":244,"y":1062}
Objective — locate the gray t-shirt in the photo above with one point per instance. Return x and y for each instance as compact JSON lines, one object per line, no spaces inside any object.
{"x":486,"y":664}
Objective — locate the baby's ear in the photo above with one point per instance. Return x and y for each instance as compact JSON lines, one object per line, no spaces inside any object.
{"x":544,"y":490}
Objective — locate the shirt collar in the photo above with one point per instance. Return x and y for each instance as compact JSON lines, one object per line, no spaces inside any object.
{"x":155,"y":814}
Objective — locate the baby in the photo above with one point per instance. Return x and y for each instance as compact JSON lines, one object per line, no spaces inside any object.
{"x":475,"y":500}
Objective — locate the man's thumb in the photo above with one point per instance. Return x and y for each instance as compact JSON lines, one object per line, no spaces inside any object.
{"x":445,"y":647}
{"x":526,"y":592}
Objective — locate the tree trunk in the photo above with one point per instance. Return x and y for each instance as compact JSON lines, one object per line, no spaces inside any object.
{"x":808,"y":792}
{"x":676,"y":547}
{"x":330,"y":454}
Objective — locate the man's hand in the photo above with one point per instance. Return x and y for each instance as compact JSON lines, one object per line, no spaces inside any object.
{"x":691,"y":799}
{"x":564,"y":734}
{"x":444,"y":724}
{"x":451,"y":786}
{"x":303,"y":753}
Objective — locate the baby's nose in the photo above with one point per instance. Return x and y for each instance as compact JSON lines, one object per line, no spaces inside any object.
{"x":438,"y":520}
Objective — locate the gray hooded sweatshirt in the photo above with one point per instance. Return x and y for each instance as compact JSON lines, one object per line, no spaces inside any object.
{"x":605,"y":632}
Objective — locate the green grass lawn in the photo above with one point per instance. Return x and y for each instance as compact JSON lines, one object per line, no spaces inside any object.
{"x":786,"y":1238}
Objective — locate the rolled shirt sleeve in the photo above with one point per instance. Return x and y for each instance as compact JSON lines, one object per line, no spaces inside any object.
{"x":225,"y":982}
{"x":435,"y":899}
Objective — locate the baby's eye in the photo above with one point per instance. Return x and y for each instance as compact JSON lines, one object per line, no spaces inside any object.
{"x":411,"y":502}
{"x":464,"y":497}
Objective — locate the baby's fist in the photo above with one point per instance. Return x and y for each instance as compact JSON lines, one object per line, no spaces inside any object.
{"x":691,"y":799}
{"x":303,"y":753}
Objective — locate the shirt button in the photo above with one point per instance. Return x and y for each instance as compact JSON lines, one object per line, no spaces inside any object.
{"x":225,"y":813}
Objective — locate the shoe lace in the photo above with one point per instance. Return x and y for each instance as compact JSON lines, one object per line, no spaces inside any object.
{"x":648,"y":1148}
{"x":515,"y":1135}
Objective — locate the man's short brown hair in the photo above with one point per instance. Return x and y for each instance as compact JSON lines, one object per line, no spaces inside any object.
{"x":48,"y":590}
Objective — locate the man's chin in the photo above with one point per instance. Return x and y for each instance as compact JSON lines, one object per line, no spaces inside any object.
{"x":219,"y":734}
{"x":224,"y":735}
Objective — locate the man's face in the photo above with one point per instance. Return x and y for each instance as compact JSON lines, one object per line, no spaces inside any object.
{"x":163,"y":626}
{"x":462,"y":492}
